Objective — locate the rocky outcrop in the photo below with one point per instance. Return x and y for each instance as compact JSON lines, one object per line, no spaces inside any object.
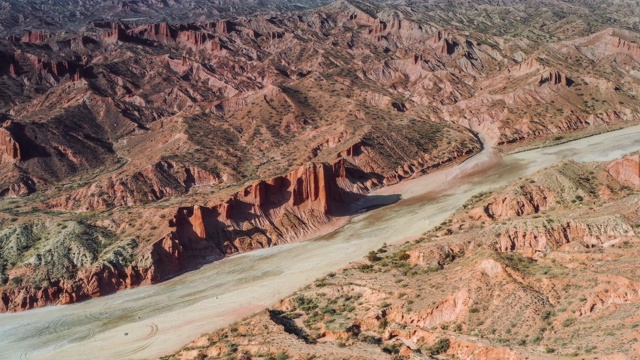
{"x":375,"y":160}
{"x":609,"y":42}
{"x":163,"y":179}
{"x":280,"y":210}
{"x":194,"y":39}
{"x":22,"y":186}
{"x":443,"y":44}
{"x":529,"y":200}
{"x":267,"y":213}
{"x":557,"y":187}
{"x":626,"y":171}
{"x":90,"y":282}
{"x":159,"y":32}
{"x":191,"y":36}
{"x":9,"y":147}
{"x":547,"y":236}
{"x":35,"y":37}
{"x":69,"y":142}
{"x":114,"y":33}
{"x":524,"y":67}
{"x":222,"y":27}
{"x":555,"y":77}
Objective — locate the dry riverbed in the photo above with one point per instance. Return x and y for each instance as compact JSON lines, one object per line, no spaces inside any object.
{"x":152,"y":321}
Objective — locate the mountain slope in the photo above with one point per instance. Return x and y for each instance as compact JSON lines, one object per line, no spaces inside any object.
{"x":177,"y":143}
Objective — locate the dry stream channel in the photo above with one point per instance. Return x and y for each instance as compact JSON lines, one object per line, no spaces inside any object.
{"x":159,"y":319}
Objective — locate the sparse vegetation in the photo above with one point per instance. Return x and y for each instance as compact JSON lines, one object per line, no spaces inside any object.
{"x":439,"y":347}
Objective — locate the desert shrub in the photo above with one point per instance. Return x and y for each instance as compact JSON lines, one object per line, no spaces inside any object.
{"x":281,"y":355}
{"x":366,"y":268}
{"x":439,"y":347}
{"x":370,"y":339}
{"x":391,"y":349}
{"x":305,"y":304}
{"x":568,"y":322}
{"x":373,"y":256}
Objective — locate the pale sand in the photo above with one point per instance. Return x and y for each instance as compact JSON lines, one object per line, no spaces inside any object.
{"x":160,"y":319}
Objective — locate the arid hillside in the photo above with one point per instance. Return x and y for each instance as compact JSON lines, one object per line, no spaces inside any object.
{"x":132,"y":151}
{"x":543,"y":268}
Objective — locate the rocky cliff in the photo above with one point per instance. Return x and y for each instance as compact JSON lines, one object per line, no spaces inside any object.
{"x":271,"y":212}
{"x":9,"y":147}
{"x":158,"y":181}
{"x":267,"y":213}
{"x":626,"y":171}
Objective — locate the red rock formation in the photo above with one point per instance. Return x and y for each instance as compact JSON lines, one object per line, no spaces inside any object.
{"x":57,"y":69}
{"x":35,"y":37}
{"x":626,"y":171}
{"x":220,"y":27}
{"x":625,"y":46}
{"x":159,"y":32}
{"x":612,"y":41}
{"x":282,"y":209}
{"x":231,"y":105}
{"x":15,"y":190}
{"x":165,"y":178}
{"x":442,"y":44}
{"x":530,"y":64}
{"x":372,"y":161}
{"x":114,"y":35}
{"x":530,"y":200}
{"x":378,"y":28}
{"x":9,"y":148}
{"x":310,"y":194}
{"x":544,"y":237}
{"x":267,"y":213}
{"x":191,"y":38}
{"x":92,"y":282}
{"x":215,"y":46}
{"x":554,"y":77}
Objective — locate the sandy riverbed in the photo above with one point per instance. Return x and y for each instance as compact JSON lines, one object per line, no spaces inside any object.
{"x":159,"y":319}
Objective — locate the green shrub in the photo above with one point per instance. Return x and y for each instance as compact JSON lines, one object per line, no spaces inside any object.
{"x":439,"y":347}
{"x":373,"y":256}
{"x":370,"y":339}
{"x":392,"y":349}
{"x":305,"y":304}
{"x":281,"y":355}
{"x":568,"y":322}
{"x":546,"y":315}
